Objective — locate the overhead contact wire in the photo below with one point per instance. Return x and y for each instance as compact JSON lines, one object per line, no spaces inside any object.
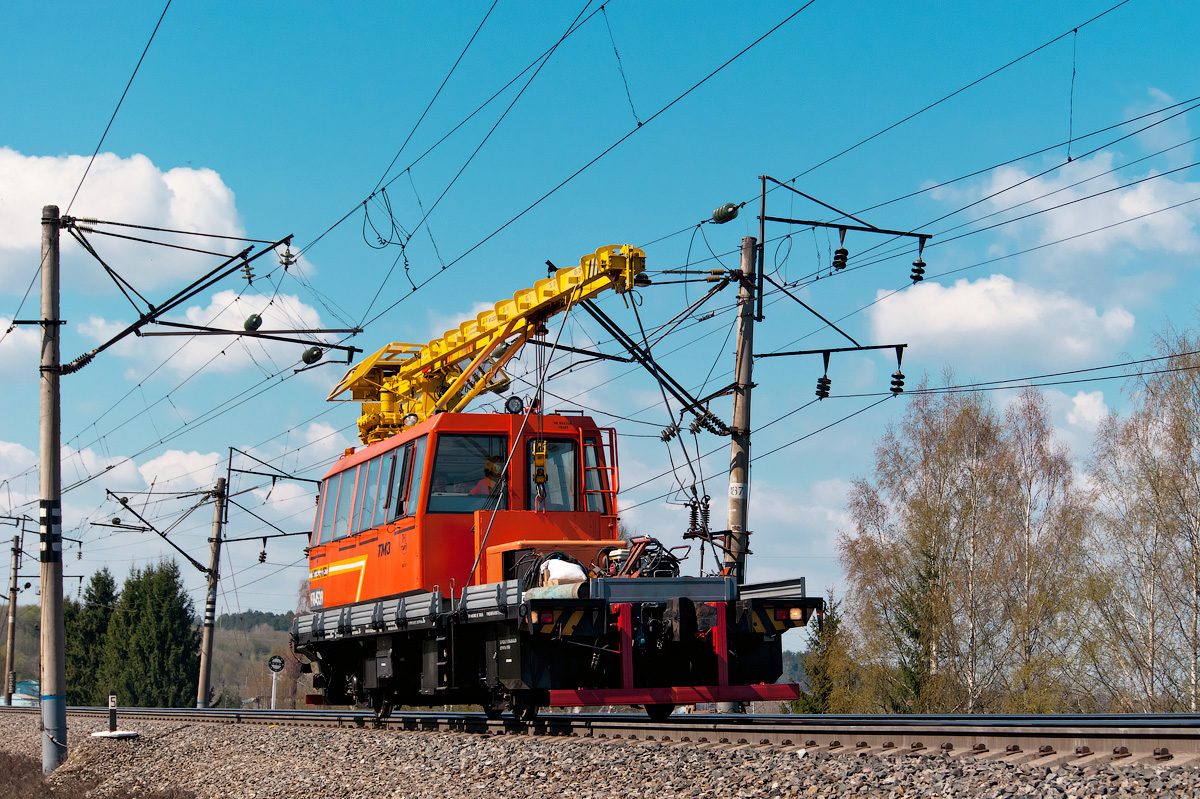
{"x":959,"y":91}
{"x":436,"y":94}
{"x":111,"y":119}
{"x":436,"y":144}
{"x":606,"y":151}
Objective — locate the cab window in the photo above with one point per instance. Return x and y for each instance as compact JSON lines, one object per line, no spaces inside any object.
{"x":328,"y":515}
{"x":467,"y":474}
{"x":410,"y":466}
{"x":557,"y":491}
{"x":320,"y":532}
{"x":415,"y":474}
{"x":345,"y":503}
{"x":387,"y":485}
{"x":368,"y":485}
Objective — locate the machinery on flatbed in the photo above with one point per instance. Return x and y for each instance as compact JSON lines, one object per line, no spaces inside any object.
{"x":475,"y":558}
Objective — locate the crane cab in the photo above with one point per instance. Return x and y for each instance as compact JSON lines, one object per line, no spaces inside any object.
{"x":462,"y":499}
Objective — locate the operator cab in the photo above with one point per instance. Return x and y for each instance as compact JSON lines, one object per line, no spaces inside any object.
{"x":461,"y":499}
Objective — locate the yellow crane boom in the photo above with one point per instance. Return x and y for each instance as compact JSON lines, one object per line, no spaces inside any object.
{"x":402,"y":384}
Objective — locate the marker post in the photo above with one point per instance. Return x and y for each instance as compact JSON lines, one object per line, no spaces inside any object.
{"x":275,"y":664}
{"x":112,"y":731}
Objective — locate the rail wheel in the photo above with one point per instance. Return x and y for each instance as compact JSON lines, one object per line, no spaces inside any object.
{"x":525,"y":709}
{"x":382,"y":705}
{"x":493,"y":706}
{"x":660,"y":712}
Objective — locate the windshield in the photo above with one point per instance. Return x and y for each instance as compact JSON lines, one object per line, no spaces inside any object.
{"x":466,"y":474}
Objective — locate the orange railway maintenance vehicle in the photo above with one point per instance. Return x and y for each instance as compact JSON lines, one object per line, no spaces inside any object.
{"x":475,"y":558}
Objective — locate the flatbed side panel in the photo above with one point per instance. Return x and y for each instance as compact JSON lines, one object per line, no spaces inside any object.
{"x":776,"y":589}
{"x":414,"y":611}
{"x":490,"y":600}
{"x":369,"y":618}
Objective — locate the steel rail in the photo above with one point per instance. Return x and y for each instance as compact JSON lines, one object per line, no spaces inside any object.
{"x":1036,"y":740}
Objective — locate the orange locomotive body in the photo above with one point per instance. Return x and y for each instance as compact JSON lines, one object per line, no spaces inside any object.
{"x":432,"y":510}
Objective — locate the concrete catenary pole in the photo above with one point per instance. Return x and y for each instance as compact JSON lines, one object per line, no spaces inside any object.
{"x":10,"y":668}
{"x":54,"y":674}
{"x":210,"y":601}
{"x":739,"y":448}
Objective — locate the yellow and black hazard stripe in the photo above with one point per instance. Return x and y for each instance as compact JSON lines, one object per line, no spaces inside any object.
{"x":565,"y":620}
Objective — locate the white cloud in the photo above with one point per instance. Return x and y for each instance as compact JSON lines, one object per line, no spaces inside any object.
{"x":80,"y":464}
{"x":1088,"y":410}
{"x":306,"y":452}
{"x":287,"y":504}
{"x":997,"y":318}
{"x":1171,"y":231}
{"x":21,"y":495}
{"x":324,"y":442}
{"x":15,"y":492}
{"x":19,"y":350}
{"x":1168,"y":133}
{"x":819,"y":509}
{"x":101,"y":330}
{"x":439,"y":324}
{"x":795,"y":532}
{"x":180,"y":471}
{"x":117,"y":189}
{"x":15,"y":458}
{"x":1076,"y":418}
{"x":287,"y":499}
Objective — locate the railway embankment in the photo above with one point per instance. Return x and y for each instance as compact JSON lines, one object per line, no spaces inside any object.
{"x":219,"y":761}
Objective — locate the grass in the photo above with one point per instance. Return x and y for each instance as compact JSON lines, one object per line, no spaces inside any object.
{"x":21,"y":776}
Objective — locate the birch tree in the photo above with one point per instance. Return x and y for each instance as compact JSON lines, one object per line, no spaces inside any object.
{"x":1130,"y":577}
{"x":921,"y":559}
{"x":1045,"y":560}
{"x":1172,"y":396}
{"x":1146,"y":470}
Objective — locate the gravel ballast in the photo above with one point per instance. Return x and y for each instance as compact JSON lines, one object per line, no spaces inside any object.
{"x":219,"y":761}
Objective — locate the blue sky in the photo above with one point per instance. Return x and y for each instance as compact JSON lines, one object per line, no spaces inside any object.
{"x":253,"y":121}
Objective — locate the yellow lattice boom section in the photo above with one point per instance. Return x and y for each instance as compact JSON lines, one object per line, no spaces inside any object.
{"x":411,"y":381}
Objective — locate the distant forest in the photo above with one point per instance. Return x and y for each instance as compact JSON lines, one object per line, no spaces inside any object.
{"x":248,"y":620}
{"x":244,"y":643}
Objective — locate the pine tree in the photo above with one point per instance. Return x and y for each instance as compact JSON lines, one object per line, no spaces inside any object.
{"x":151,"y":656}
{"x":86,"y":626}
{"x":915,"y":684}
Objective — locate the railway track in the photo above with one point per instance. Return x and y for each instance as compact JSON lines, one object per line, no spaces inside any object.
{"x":1050,"y":741}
